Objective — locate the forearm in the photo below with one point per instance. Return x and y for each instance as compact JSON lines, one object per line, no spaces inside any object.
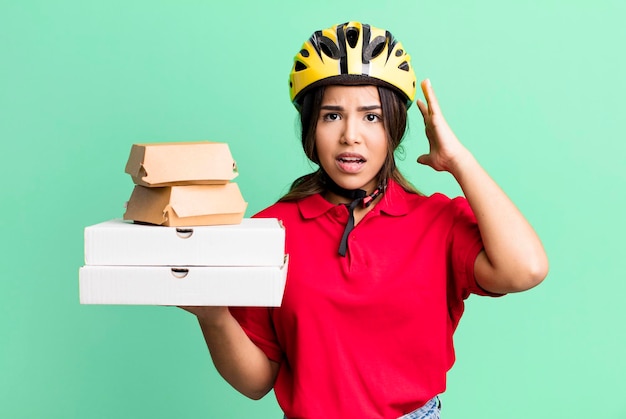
{"x":514,"y":258}
{"x":242,"y":364}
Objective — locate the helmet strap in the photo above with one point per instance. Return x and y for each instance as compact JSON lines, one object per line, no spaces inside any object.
{"x":358,"y":197}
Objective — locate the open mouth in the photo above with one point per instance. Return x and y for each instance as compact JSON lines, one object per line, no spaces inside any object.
{"x":351,"y":160}
{"x":350,"y":163}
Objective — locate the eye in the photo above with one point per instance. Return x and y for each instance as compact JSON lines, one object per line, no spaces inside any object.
{"x":331,"y":116}
{"x":372,"y":117}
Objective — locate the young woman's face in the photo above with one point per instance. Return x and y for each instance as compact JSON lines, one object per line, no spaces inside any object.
{"x":350,"y":136}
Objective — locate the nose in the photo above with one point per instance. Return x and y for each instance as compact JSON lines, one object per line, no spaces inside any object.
{"x":351,"y":133}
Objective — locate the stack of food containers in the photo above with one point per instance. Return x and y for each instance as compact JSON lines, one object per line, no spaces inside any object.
{"x":183,"y":240}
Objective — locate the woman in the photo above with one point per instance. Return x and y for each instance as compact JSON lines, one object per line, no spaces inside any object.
{"x":378,"y":272}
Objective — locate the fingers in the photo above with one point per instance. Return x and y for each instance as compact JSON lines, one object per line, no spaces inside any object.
{"x":426,"y":86}
{"x":431,"y":99}
{"x":424,"y":159}
{"x":423,"y":108}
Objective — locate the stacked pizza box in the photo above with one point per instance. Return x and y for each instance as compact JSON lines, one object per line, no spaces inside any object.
{"x":183,"y":239}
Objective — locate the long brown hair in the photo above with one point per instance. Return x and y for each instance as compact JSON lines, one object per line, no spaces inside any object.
{"x":394,"y":112}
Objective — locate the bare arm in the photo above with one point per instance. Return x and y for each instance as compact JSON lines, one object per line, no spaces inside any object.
{"x":513,"y":259}
{"x":242,"y":364}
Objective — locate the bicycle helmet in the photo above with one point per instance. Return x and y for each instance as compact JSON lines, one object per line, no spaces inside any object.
{"x":352,"y":53}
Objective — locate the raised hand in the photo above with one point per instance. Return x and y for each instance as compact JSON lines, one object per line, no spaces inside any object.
{"x":445,"y":148}
{"x":513,"y":258}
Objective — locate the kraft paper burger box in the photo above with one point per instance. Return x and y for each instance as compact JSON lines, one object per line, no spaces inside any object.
{"x":182,"y":163}
{"x":183,"y":286}
{"x":253,"y":242}
{"x":187,"y":205}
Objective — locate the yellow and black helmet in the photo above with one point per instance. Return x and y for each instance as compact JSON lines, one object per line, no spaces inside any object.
{"x":352,"y":53}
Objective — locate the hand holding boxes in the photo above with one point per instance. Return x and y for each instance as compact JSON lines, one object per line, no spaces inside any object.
{"x":203,"y":252}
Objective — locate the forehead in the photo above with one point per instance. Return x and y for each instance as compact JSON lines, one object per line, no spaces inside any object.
{"x":351,"y":95}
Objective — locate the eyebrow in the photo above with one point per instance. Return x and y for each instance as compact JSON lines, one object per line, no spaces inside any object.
{"x":340,"y":108}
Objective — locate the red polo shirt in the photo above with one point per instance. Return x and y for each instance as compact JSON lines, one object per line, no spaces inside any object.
{"x":370,"y":334}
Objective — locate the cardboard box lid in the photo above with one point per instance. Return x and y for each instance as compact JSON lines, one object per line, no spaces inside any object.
{"x":253,"y":242}
{"x":186,"y":205}
{"x":183,"y":163}
{"x":199,"y":286}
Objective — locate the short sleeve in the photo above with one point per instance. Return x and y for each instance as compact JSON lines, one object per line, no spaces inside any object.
{"x":258,"y":325}
{"x":465,"y":244}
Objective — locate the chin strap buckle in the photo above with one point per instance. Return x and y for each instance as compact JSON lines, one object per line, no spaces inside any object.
{"x":370,"y":198}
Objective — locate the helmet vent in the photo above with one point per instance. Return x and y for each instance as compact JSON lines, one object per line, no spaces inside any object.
{"x":404,"y":66}
{"x":329,"y":48}
{"x":375,"y":48}
{"x":304,"y":53}
{"x":399,"y":53}
{"x":300,"y":66}
{"x":352,"y":36}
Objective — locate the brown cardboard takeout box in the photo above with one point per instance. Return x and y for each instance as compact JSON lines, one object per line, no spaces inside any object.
{"x":182,"y":163}
{"x":186,"y":205}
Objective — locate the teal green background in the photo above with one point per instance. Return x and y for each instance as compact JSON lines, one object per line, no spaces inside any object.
{"x":534,"y":88}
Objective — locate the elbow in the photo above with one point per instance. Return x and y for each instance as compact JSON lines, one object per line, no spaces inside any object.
{"x":532,"y":280}
{"x":256,"y":390}
{"x":511,"y":276}
{"x":256,"y":394}
{"x":538,"y":271}
{"x":529,"y":276}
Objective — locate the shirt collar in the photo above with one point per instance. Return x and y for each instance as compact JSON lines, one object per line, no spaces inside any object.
{"x":392,"y":203}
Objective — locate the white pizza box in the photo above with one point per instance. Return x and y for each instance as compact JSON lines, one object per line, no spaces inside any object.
{"x":253,"y":242}
{"x":183,"y":286}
